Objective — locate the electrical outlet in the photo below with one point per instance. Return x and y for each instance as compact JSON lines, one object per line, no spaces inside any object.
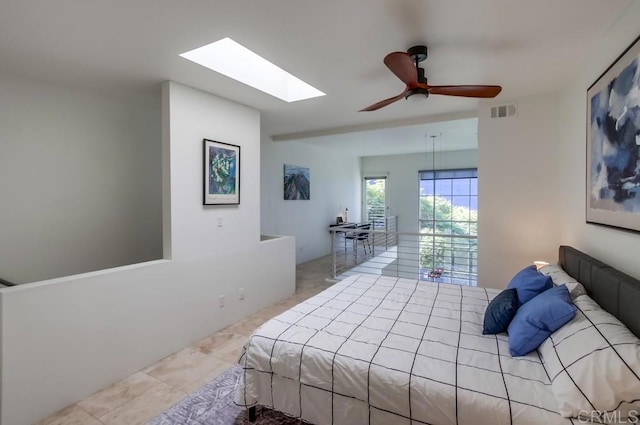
{"x":241,"y":293}
{"x":221,"y":301}
{"x":219,"y":221}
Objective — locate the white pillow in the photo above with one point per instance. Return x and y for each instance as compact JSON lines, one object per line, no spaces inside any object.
{"x":560,"y":277}
{"x":594,"y":365}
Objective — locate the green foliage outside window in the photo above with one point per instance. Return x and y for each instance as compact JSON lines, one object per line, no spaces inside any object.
{"x":439,"y":216}
{"x":375,"y":193}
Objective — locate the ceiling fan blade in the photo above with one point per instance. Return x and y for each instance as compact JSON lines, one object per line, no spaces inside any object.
{"x":465,"y":91}
{"x":385,"y":102}
{"x":401,"y":64}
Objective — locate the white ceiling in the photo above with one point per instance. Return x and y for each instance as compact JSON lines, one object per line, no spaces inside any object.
{"x":126,"y":47}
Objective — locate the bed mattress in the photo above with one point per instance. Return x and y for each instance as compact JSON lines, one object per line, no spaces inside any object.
{"x":383,"y":350}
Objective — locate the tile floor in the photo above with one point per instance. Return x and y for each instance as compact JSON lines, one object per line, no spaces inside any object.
{"x":142,"y":396}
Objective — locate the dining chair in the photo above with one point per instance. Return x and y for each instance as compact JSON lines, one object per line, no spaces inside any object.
{"x":358,"y":235}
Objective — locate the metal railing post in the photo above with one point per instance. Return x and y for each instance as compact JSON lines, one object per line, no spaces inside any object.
{"x":333,"y":255}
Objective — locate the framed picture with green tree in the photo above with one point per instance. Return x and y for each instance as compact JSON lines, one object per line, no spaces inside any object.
{"x":221,"y":173}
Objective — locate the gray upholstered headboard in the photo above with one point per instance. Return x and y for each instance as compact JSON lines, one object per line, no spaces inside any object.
{"x":615,"y":291}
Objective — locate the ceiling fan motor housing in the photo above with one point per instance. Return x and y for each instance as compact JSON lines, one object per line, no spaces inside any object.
{"x":417,"y":90}
{"x":422,"y":79}
{"x":417,"y":53}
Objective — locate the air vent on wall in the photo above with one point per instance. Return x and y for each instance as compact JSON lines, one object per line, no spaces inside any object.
{"x":503,"y":111}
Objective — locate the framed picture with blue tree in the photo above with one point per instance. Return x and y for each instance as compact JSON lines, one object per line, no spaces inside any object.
{"x":613,"y":144}
{"x":221,"y":173}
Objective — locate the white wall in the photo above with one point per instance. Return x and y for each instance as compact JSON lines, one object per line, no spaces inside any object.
{"x":518,"y":178}
{"x":335,"y":185}
{"x":615,"y":247}
{"x":403,"y":186}
{"x":66,"y":338}
{"x":530,"y":206}
{"x":81,"y":181}
{"x":194,"y":117}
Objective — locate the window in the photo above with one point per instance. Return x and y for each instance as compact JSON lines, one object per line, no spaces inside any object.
{"x":375,"y":200}
{"x":448,"y":224}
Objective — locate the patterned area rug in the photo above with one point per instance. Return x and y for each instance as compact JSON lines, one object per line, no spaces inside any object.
{"x":213,"y":405}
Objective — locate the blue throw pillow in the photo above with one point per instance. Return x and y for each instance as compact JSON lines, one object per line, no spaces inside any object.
{"x":539,"y":318}
{"x":529,"y":282}
{"x":500,"y":312}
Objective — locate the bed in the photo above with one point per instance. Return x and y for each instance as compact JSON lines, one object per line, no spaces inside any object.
{"x":385,"y":350}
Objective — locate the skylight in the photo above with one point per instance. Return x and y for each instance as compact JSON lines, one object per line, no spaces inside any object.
{"x":236,"y":61}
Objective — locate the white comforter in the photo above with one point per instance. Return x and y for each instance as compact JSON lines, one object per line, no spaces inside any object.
{"x":382,"y":350}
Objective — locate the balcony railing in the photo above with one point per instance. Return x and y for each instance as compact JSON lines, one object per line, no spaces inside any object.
{"x":384,"y":251}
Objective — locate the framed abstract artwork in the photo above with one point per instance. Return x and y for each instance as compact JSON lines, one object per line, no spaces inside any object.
{"x":613,"y":144}
{"x":221,"y":173}
{"x":296,"y":183}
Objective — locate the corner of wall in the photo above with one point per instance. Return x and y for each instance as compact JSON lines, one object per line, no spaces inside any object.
{"x":335,"y":184}
{"x":109,"y":310}
{"x":166,"y":170}
{"x":518,"y":188}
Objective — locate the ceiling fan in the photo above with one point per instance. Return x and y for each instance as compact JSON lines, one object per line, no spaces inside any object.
{"x":405,"y":66}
